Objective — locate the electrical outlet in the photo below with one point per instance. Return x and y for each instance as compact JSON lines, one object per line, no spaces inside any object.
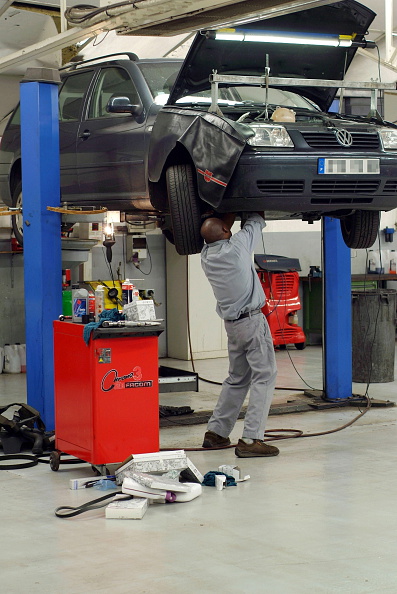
{"x":136,"y":247}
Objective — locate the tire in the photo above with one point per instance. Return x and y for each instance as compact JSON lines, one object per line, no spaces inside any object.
{"x":300,"y":346}
{"x":360,"y":229}
{"x":17,"y":220}
{"x":184,"y":207}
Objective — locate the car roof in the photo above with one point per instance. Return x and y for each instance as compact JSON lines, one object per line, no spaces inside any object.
{"x":119,"y":57}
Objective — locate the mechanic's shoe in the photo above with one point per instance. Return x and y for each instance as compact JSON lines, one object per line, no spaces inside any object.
{"x":212,"y":440}
{"x":255,"y":449}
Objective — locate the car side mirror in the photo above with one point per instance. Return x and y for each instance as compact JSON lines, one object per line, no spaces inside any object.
{"x":123,"y":105}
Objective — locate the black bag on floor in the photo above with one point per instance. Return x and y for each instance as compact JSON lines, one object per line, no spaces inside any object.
{"x":26,"y":428}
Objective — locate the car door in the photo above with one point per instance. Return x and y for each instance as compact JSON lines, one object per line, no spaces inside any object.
{"x":71,"y":103}
{"x":110,"y":146}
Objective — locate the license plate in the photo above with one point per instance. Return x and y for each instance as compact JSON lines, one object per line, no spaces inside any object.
{"x":348,"y":166}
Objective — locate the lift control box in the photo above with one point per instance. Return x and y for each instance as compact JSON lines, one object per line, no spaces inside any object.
{"x":106,"y":392}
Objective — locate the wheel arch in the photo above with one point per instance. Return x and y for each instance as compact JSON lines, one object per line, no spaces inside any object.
{"x":15,"y":175}
{"x":158,"y":189}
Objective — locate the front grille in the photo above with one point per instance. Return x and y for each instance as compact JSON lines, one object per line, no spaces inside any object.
{"x":287,"y":335}
{"x":391,"y":186}
{"x":327,"y":141}
{"x":280,"y":186}
{"x":283,"y":286}
{"x":329,"y":186}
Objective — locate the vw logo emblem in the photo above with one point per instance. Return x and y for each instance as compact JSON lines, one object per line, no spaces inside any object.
{"x":344,"y":137}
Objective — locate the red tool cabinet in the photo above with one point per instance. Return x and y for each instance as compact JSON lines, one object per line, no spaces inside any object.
{"x":106,"y":392}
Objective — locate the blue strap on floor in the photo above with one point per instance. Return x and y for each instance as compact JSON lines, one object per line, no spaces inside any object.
{"x":113,"y":315}
{"x":209,"y":479}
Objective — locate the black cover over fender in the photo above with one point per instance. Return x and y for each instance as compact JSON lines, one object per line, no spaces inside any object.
{"x":213,"y":142}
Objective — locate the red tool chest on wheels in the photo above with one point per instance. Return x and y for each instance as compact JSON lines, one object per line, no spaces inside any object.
{"x":280,"y":282}
{"x":106,"y":392}
{"x":282,"y":303}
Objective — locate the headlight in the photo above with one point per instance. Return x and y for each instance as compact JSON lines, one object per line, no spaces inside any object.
{"x":389,"y":138}
{"x":267,"y":135}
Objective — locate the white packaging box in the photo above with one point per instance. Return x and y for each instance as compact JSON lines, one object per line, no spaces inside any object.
{"x":127,"y":509}
{"x":233,"y":471}
{"x":141,"y":310}
{"x":192,"y":473}
{"x":153,"y":462}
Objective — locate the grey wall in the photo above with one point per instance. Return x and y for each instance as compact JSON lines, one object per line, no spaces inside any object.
{"x":12,"y":318}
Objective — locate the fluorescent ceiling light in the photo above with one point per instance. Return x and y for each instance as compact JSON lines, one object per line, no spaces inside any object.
{"x":298,"y":39}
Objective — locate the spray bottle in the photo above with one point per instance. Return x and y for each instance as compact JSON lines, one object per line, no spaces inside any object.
{"x":99,"y":301}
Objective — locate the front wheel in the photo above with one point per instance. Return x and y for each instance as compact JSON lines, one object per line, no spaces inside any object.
{"x":360,"y":229}
{"x":17,"y":220}
{"x":184,"y":205}
{"x":300,"y":346}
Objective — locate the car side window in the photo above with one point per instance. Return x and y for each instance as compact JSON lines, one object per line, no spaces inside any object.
{"x":71,"y":96}
{"x":112,"y":82}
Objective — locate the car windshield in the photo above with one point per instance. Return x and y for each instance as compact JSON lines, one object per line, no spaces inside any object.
{"x":160,"y":78}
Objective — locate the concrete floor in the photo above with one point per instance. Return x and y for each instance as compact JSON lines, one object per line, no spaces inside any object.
{"x":319,"y":518}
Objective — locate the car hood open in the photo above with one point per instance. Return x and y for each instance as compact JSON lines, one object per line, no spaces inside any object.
{"x":207,"y":54}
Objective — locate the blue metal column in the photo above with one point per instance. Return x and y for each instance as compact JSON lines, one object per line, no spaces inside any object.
{"x":337,"y":333}
{"x":42,"y":234}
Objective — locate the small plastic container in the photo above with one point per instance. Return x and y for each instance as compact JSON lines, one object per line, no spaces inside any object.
{"x":79,"y":303}
{"x":67,"y":302}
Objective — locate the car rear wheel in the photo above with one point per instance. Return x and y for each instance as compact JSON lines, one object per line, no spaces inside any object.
{"x":184,"y":205}
{"x":360,"y":229}
{"x":17,"y":220}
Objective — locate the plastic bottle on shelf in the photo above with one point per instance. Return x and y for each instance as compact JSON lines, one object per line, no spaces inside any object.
{"x":135,"y":293}
{"x":393,"y":262}
{"x":99,"y":301}
{"x":79,"y":303}
{"x":126,"y":291}
{"x":91,"y":304}
{"x":67,"y":302}
{"x":371,"y":262}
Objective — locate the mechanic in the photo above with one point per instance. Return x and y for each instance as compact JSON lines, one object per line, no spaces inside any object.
{"x":227,"y":262}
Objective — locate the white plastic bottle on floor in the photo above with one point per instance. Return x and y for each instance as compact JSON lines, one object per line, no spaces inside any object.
{"x":12,"y":362}
{"x":22,"y":356}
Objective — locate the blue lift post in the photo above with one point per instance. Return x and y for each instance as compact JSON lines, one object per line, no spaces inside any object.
{"x":337,"y":333}
{"x":42,"y":233}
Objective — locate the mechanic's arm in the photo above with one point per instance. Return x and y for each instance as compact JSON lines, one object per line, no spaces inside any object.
{"x":228,"y":218}
{"x":251,"y":230}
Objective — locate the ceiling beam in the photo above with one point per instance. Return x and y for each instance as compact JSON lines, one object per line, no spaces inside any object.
{"x":148,"y":13}
{"x":366,"y":54}
{"x":5,"y":6}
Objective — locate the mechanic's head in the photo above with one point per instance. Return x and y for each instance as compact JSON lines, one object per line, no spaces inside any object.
{"x":214,"y":229}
